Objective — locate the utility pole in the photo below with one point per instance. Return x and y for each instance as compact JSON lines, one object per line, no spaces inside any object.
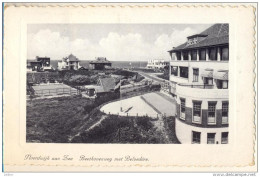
{"x":121,"y":109}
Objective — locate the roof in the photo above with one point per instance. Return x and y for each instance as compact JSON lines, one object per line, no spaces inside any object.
{"x":96,"y":87}
{"x":108,"y":83}
{"x":215,"y":35}
{"x":197,"y":35}
{"x":72,"y":58}
{"x":35,"y":62}
{"x":100,"y":60}
{"x":42,"y":58}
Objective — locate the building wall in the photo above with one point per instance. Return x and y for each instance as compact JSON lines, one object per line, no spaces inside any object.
{"x":184,"y":127}
{"x":203,"y":94}
{"x":61,"y":65}
{"x":201,"y":65}
{"x":184,"y":132}
{"x":204,"y":118}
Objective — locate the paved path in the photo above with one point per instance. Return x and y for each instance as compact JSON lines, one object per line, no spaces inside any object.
{"x":159,"y":101}
{"x":152,"y":76}
{"x":130,"y":106}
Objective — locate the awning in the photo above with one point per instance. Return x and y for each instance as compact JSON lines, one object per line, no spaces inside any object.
{"x":221,"y":75}
{"x":207,"y":73}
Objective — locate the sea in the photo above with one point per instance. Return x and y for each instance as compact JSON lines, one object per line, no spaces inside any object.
{"x":115,"y":64}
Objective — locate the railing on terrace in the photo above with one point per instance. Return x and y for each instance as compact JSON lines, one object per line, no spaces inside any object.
{"x":203,"y":86}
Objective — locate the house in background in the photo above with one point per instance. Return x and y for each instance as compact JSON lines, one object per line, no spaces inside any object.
{"x":157,"y":64}
{"x":70,"y":62}
{"x":199,"y":79}
{"x":100,"y":63}
{"x":39,"y":64}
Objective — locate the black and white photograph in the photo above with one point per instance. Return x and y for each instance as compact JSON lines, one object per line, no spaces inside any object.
{"x":127,"y":83}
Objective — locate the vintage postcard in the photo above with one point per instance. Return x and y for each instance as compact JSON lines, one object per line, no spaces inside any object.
{"x":129,"y":87}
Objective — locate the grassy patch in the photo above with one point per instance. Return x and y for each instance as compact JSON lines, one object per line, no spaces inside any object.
{"x":117,"y":129}
{"x":54,"y":120}
{"x":169,"y":124}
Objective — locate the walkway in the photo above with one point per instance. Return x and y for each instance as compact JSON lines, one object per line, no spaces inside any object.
{"x":150,"y":104}
{"x":152,"y":76}
{"x":163,"y":103}
{"x":131,"y":106}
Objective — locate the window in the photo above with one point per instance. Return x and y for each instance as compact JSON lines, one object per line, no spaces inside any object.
{"x":212,"y":113}
{"x":196,"y":112}
{"x":184,"y":72}
{"x":202,"y":54}
{"x":224,"y":54}
{"x":208,"y":81}
{"x":185,"y":55}
{"x":222,"y":84}
{"x":174,"y":70}
{"x":195,"y":137}
{"x":225,"y":84}
{"x":224,"y":138}
{"x":225,"y":112}
{"x":182,"y":116}
{"x":213,"y":53}
{"x":195,"y":75}
{"x":178,"y":55}
{"x":194,"y":55}
{"x":211,"y":138}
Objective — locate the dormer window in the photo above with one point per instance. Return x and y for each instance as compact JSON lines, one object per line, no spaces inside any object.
{"x":194,"y":39}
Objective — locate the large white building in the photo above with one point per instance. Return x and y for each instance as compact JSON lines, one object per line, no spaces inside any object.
{"x":157,"y":64}
{"x":199,"y":79}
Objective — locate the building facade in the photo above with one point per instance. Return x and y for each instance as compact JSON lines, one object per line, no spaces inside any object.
{"x":157,"y":64}
{"x":199,"y":79}
{"x":70,"y":62}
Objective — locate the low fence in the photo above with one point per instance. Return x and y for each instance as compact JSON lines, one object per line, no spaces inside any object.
{"x":153,"y":117}
{"x":57,"y":91}
{"x":132,"y":88}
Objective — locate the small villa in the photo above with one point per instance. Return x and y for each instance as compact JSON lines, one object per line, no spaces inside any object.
{"x":70,"y":62}
{"x":39,"y":64}
{"x":100,"y":63}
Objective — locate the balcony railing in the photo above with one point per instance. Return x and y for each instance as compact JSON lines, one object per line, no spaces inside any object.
{"x":204,"y":86}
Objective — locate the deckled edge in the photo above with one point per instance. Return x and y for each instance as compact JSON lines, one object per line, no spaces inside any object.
{"x":154,"y":5}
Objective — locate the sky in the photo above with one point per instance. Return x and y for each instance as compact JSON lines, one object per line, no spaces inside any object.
{"x":116,"y":42}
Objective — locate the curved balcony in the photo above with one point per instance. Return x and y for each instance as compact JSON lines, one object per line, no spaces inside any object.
{"x":201,"y":91}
